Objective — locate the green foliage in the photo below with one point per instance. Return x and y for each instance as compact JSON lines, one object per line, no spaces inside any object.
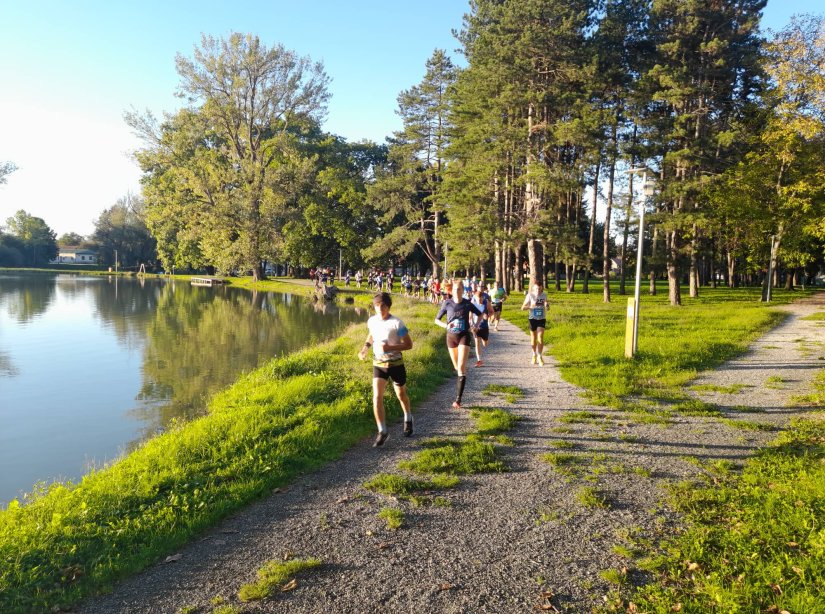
{"x":273,"y":576}
{"x":403,"y":487}
{"x":221,"y":191}
{"x":591,"y":497}
{"x":511,"y":393}
{"x":455,"y":457}
{"x":492,"y":421}
{"x":36,"y":243}
{"x":754,"y":541}
{"x":121,"y":229}
{"x":393,"y":516}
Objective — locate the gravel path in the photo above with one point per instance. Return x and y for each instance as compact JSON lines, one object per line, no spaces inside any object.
{"x":508,"y":541}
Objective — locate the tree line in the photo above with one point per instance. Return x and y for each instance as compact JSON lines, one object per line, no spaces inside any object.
{"x":517,"y":157}
{"x":119,"y":232}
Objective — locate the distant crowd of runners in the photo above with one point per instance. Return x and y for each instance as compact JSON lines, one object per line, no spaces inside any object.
{"x":467,"y":325}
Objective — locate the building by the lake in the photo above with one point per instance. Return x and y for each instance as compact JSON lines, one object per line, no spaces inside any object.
{"x":75,"y":255}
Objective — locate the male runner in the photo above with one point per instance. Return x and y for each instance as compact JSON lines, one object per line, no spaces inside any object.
{"x":389,"y":337}
{"x":536,"y":302}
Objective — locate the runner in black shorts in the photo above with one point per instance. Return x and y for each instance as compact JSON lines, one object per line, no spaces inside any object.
{"x":482,"y":302}
{"x":459,"y":333}
{"x":390,"y":337}
{"x":536,"y":303}
{"x":499,"y":296}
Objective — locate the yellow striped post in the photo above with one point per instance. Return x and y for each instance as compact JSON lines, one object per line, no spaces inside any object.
{"x":629,"y":350}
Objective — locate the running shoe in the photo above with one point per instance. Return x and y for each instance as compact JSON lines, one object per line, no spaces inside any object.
{"x":408,"y":428}
{"x":541,"y":361}
{"x":479,"y":363}
{"x":533,"y":360}
{"x":456,"y":405}
{"x":380,"y":438}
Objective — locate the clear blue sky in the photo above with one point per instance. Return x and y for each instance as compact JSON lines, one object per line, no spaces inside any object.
{"x":70,"y":69}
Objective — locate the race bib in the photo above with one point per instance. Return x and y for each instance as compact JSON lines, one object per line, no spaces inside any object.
{"x":457,"y":326}
{"x":537,"y":313}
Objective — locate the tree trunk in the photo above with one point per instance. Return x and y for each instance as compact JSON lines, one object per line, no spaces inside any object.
{"x":589,"y":263}
{"x":606,"y":236}
{"x":674,"y":292}
{"x":654,"y":247}
{"x":535,"y":253}
{"x":497,"y":262}
{"x":694,"y":263}
{"x":557,"y":269}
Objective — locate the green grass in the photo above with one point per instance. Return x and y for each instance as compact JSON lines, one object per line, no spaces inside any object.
{"x":273,"y":576}
{"x":614,"y":576}
{"x":754,"y":540}
{"x":490,"y":422}
{"x":696,"y":407}
{"x":289,"y":417}
{"x":561,"y":459}
{"x":586,"y":336}
{"x":775,"y":381}
{"x":402,"y":487}
{"x":581,"y":417}
{"x":591,"y":497}
{"x":815,"y":398}
{"x":511,"y":393}
{"x":455,"y":457}
{"x":732,"y":389}
{"x":393,"y":516}
{"x":748,"y":425}
{"x":818,"y":316}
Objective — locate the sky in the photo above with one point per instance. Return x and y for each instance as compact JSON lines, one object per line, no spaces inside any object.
{"x":70,"y":70}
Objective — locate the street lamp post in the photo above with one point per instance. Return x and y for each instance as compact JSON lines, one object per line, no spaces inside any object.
{"x":632,"y":326}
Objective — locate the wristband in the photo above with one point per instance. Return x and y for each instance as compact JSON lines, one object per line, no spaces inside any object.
{"x":367,"y":345}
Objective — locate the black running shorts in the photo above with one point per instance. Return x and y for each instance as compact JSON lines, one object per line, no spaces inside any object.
{"x":398,"y":374}
{"x":483,"y":333}
{"x":456,"y":339}
{"x":536,"y":324}
{"x":497,"y":307}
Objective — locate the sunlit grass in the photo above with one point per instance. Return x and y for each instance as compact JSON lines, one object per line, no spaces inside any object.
{"x":675,"y":343}
{"x":754,"y":540}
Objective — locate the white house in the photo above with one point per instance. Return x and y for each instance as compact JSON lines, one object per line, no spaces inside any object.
{"x":75,"y":255}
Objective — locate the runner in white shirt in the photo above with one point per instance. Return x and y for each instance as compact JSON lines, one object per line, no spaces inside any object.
{"x":536,"y":302}
{"x":388,"y":337}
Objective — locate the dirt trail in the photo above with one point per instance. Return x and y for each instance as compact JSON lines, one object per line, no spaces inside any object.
{"x":508,"y":539}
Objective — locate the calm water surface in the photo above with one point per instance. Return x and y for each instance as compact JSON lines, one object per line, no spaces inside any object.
{"x":91,"y":366}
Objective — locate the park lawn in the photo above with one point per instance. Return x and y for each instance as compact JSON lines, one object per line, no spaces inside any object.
{"x":753,"y":541}
{"x":286,"y":418}
{"x":586,"y":336}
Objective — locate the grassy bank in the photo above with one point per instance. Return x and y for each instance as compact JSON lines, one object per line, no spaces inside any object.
{"x":289,"y":417}
{"x":586,"y":336}
{"x":754,"y":540}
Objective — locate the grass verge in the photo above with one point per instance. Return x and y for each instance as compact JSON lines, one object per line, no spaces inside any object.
{"x":273,"y":576}
{"x":586,"y":336}
{"x":289,"y":417}
{"x":754,"y":541}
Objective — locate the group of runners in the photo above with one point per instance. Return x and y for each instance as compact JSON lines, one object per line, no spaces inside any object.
{"x":467,"y":325}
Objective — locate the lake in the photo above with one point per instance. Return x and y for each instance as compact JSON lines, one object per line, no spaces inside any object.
{"x":92,"y":366}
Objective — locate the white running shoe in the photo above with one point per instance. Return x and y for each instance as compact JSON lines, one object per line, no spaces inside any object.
{"x":533,"y":360}
{"x":541,"y":361}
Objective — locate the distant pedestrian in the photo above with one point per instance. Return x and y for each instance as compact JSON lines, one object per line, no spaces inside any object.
{"x":388,"y":337}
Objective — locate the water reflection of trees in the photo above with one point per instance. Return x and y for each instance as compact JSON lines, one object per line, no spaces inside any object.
{"x":127,"y":306}
{"x":25,"y":298}
{"x":200,"y":339}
